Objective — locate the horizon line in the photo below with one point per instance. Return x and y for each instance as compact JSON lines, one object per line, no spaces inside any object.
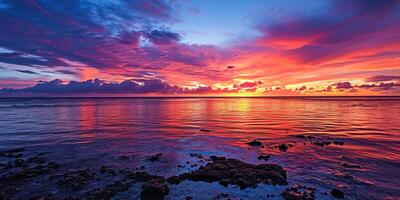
{"x":149,"y":97}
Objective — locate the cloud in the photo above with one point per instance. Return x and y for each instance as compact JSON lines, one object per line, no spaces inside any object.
{"x":374,"y":86}
{"x":160,"y":37}
{"x":377,"y":88}
{"x":26,"y":71}
{"x":380,"y":86}
{"x":343,"y":85}
{"x":302,"y":88}
{"x":10,"y":55}
{"x":344,"y":28}
{"x":248,"y":84}
{"x":382,"y":78}
{"x":64,"y":71}
{"x":158,"y":9}
{"x":97,"y":86}
{"x":119,"y":40}
{"x":97,"y":34}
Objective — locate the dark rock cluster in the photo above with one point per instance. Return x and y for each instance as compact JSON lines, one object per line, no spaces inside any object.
{"x":263,"y":157}
{"x":235,"y":172}
{"x":155,"y":189}
{"x":225,"y":171}
{"x":337,"y":193}
{"x":299,"y":192}
{"x":155,"y":157}
{"x":12,"y":153}
{"x":320,"y":141}
{"x":74,"y":179}
{"x":20,"y":170}
{"x":255,"y":143}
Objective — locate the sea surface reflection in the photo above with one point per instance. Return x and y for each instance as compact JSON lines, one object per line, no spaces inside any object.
{"x":92,"y":131}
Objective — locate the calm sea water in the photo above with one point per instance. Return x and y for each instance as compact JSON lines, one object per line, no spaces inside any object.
{"x":94,"y":131}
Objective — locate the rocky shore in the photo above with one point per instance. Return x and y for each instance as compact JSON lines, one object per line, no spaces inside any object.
{"x":20,"y":170}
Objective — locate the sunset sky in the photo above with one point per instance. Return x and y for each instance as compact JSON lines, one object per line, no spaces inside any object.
{"x":199,"y":47}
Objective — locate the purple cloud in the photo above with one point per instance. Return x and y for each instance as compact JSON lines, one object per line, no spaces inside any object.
{"x":380,"y":86}
{"x":248,"y":84}
{"x":26,"y":71}
{"x":97,"y":86}
{"x":96,"y":34}
{"x":153,"y":8}
{"x":383,"y":78}
{"x":343,"y":85}
{"x":160,"y":37}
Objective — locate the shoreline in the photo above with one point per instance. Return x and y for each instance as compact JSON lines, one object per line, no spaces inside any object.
{"x":21,"y":170}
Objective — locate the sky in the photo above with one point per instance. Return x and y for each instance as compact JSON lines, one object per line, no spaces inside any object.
{"x":199,"y":47}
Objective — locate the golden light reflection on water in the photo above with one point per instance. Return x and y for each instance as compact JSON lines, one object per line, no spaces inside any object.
{"x":240,"y":118}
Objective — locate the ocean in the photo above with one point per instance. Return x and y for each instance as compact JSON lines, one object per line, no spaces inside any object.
{"x":350,"y":143}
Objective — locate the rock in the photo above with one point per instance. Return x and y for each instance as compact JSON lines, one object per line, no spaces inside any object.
{"x":199,"y":156}
{"x":283,"y":147}
{"x":348,"y":165}
{"x":255,"y":143}
{"x":108,"y":191}
{"x":106,"y":170}
{"x":298,"y":192}
{"x":214,"y":158}
{"x":43,"y":197}
{"x":28,"y":173}
{"x":23,"y":163}
{"x":7,"y":190}
{"x":337,"y":193}
{"x":103,"y":169}
{"x":221,"y":196}
{"x":174,"y":180}
{"x":224,"y":182}
{"x":236,"y":172}
{"x":188,"y":198}
{"x":141,"y":176}
{"x":155,"y":189}
{"x":12,"y":153}
{"x":19,"y":163}
{"x":155,"y":157}
{"x":53,"y":165}
{"x":243,"y":184}
{"x":112,"y":172}
{"x":75,"y":179}
{"x":321,"y":141}
{"x":264,"y":157}
{"x":36,"y":159}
